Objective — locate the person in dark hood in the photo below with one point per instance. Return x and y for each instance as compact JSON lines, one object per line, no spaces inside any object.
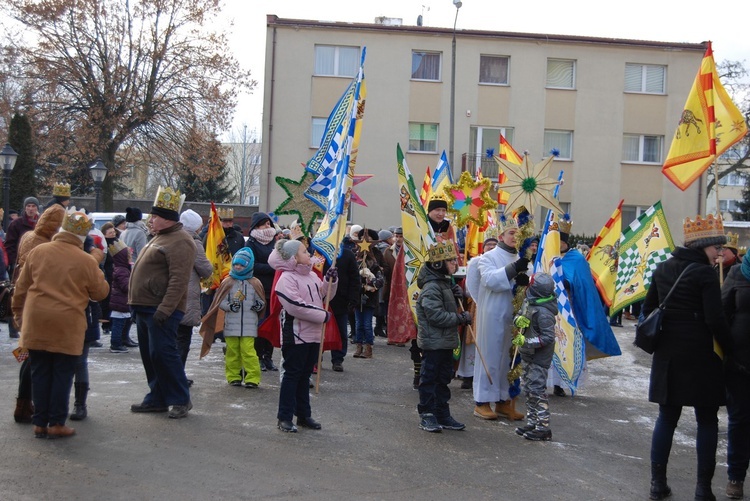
{"x":261,"y":240}
{"x":60,"y":195}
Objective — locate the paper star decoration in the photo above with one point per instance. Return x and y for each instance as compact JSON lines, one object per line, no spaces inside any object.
{"x":297,"y":203}
{"x":356,"y":179}
{"x":529,"y":185}
{"x":470,"y":200}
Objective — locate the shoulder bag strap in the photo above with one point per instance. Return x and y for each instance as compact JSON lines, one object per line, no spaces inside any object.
{"x":664,"y":303}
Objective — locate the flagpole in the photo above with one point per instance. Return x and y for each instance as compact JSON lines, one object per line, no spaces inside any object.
{"x":718,"y":213}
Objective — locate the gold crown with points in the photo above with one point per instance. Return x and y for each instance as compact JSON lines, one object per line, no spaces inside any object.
{"x":116,"y":247}
{"x":506,"y":222}
{"x":564,"y":225}
{"x":225,"y":213}
{"x":169,"y":199}
{"x":741,"y":250}
{"x":712,"y":226}
{"x":733,"y":240}
{"x":441,"y":251}
{"x":492,"y":232}
{"x":61,"y":190}
{"x":77,"y":222}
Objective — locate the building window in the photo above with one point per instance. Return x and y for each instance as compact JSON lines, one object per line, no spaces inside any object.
{"x":484,"y":145}
{"x":425,"y":66}
{"x":493,"y":69}
{"x":334,"y":60}
{"x":561,"y":74}
{"x":560,"y":142}
{"x":729,"y":205}
{"x":254,"y":200}
{"x":630,"y":213}
{"x":645,"y":78}
{"x":423,"y":137}
{"x":642,"y":149}
{"x":317,"y":130}
{"x":732,"y":179}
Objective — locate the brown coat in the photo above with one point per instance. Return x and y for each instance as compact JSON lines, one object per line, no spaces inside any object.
{"x":53,"y":290}
{"x":161,"y":274}
{"x":48,"y":225}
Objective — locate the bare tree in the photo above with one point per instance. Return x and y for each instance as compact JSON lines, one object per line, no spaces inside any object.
{"x":243,"y":159}
{"x":97,"y":74}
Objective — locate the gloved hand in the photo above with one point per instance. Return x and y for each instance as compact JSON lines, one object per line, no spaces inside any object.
{"x":160,"y":318}
{"x":458,"y":293}
{"x":521,"y":322}
{"x":522,"y":279}
{"x":464,"y":318}
{"x":521,"y":265}
{"x":332,"y":274}
{"x":257,"y":305}
{"x":519,"y":340}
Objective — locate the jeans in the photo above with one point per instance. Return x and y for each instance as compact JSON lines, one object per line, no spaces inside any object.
{"x":82,"y":365}
{"x":51,"y":380}
{"x":161,"y":360}
{"x":436,"y":374}
{"x":738,"y":408}
{"x":343,"y":323}
{"x":706,"y":439}
{"x":364,"y":333}
{"x":118,"y":327}
{"x":184,"y":338}
{"x":294,"y":397}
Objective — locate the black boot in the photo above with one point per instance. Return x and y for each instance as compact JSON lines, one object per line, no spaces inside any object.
{"x":659,"y":487}
{"x":79,"y":406}
{"x":703,"y":486}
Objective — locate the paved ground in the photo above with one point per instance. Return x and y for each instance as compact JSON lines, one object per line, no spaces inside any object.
{"x":369,"y":447}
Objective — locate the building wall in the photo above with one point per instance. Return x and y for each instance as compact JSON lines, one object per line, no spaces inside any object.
{"x":598,"y":111}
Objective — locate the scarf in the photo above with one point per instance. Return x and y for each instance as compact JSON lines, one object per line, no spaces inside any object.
{"x":745,"y":269}
{"x":263,"y":235}
{"x":507,"y":248}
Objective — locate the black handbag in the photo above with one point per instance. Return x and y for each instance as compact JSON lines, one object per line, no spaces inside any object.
{"x":647,"y":331}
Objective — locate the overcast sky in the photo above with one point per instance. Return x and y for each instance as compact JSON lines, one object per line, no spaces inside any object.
{"x":690,"y":21}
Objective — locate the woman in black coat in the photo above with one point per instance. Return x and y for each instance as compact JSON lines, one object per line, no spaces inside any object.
{"x":685,"y":371}
{"x":735,"y":295}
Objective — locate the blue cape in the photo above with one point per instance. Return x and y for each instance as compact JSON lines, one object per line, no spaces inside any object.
{"x":588,"y":309}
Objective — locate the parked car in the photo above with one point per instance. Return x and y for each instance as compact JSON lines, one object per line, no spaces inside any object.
{"x":103,"y":217}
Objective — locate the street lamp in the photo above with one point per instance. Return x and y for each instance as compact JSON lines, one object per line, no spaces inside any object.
{"x":451,"y":127}
{"x":8,"y":156}
{"x":98,"y":173}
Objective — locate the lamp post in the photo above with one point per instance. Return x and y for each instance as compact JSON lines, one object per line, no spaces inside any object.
{"x":451,"y":126}
{"x":8,"y":156}
{"x":98,"y":172}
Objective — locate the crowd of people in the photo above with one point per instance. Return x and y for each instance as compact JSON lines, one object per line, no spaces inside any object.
{"x":277,"y":294}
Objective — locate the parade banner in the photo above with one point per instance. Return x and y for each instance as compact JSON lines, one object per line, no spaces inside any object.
{"x":442,"y":176}
{"x":604,"y":254}
{"x":402,"y":327}
{"x":217,"y":251}
{"x":709,"y":125}
{"x":424,"y":195}
{"x":643,"y":245}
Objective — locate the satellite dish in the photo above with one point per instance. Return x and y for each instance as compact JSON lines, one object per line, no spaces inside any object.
{"x":419,"y":20}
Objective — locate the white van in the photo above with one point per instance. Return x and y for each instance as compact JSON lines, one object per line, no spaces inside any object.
{"x":103,"y":217}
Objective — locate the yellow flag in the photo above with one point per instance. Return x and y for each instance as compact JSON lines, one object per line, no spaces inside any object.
{"x":709,"y":125}
{"x":217,"y":251}
{"x":604,"y":255}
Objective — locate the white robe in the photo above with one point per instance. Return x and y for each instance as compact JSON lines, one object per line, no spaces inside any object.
{"x":493,"y":326}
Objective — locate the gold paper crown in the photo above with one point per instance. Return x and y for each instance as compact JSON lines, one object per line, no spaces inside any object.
{"x":741,"y":251}
{"x":77,"y":222}
{"x":492,"y":232}
{"x":116,"y":247}
{"x":225,"y":213}
{"x":710,"y":227}
{"x":733,"y":240}
{"x":441,"y":252}
{"x":61,"y":190}
{"x":506,"y":222}
{"x":564,"y":225}
{"x":439,"y":195}
{"x":169,"y":199}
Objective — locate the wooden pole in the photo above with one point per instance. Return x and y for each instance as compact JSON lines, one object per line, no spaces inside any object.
{"x":476,"y":344}
{"x":718,"y":213}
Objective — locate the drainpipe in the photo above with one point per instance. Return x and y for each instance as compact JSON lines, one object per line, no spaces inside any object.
{"x":269,"y":174}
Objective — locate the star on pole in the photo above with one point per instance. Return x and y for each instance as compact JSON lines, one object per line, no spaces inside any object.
{"x":529,"y":185}
{"x":470,"y":200}
{"x":297,"y":203}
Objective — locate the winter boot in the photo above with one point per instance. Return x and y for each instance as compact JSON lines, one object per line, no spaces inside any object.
{"x":24,"y":410}
{"x":79,"y":406}
{"x":507,"y":409}
{"x":735,"y":489}
{"x":368,"y":351}
{"x":659,"y":487}
{"x":467,"y":383}
{"x":358,"y":351}
{"x":428,"y":422}
{"x":127,"y":342}
{"x":484,"y":411}
{"x":537,"y":435}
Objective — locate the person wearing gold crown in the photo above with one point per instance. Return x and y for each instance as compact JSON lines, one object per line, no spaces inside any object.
{"x":730,"y":254}
{"x":437,"y":336}
{"x":499,"y":270}
{"x":437,"y":209}
{"x":685,"y":370}
{"x":158,"y":292}
{"x":53,"y":325}
{"x":60,"y":195}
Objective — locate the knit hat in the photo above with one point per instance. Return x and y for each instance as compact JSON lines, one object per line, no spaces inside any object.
{"x":133,"y":214}
{"x":437,"y":201}
{"x":398,"y":231}
{"x":245,"y":258}
{"x":384,"y":235}
{"x":491,"y":239}
{"x":354,"y":232}
{"x":31,"y":200}
{"x":702,"y":233}
{"x":191,"y":221}
{"x":118,"y":220}
{"x":287,"y":249}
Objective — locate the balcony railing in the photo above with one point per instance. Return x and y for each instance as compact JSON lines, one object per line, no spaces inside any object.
{"x":489,"y":167}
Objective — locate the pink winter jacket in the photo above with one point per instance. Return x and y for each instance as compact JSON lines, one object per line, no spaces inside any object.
{"x":301,"y":294}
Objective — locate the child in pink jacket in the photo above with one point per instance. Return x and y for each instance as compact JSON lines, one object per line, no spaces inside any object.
{"x":301,"y":294}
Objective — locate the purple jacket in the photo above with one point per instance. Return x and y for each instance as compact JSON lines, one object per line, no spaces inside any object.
{"x":118,"y":299}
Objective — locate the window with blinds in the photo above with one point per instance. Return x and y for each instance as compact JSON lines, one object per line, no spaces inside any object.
{"x":642,"y":148}
{"x":423,"y":137}
{"x":645,"y":78}
{"x":493,"y":69}
{"x":560,"y":141}
{"x":561,"y":74}
{"x":334,"y":60}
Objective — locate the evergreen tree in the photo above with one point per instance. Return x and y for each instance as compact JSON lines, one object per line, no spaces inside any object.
{"x":22,"y":179}
{"x":743,"y":214}
{"x":203,"y":155}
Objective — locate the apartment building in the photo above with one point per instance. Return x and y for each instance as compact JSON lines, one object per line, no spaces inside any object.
{"x":608,"y":106}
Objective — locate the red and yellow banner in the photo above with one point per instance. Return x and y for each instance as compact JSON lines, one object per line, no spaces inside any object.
{"x":217,"y":251}
{"x":604,"y":255}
